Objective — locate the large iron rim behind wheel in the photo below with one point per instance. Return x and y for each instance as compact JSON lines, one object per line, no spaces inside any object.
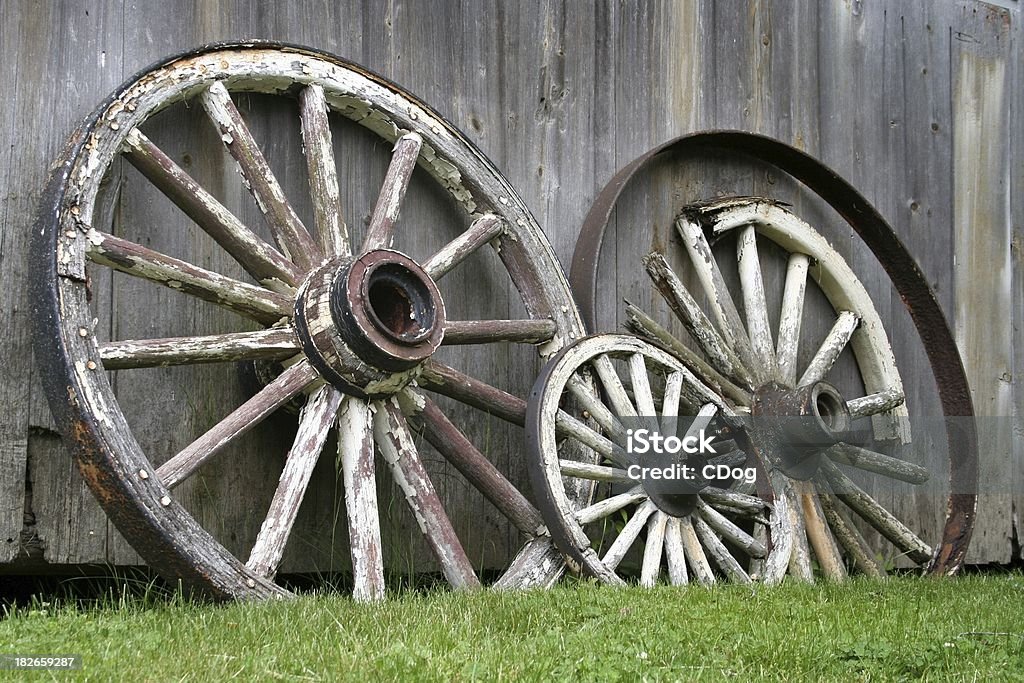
{"x":909,"y":281}
{"x":699,"y":531}
{"x":362,"y":365}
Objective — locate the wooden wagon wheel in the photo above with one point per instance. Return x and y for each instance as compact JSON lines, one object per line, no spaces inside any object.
{"x":354,"y":326}
{"x":587,"y":478}
{"x":755,"y":367}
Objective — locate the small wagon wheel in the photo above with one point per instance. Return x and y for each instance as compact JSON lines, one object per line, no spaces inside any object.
{"x":755,"y":366}
{"x":353,"y":326}
{"x":586,"y":475}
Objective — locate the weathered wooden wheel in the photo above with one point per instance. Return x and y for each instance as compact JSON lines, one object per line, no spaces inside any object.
{"x":586,"y":475}
{"x":755,"y":368}
{"x":353,"y":326}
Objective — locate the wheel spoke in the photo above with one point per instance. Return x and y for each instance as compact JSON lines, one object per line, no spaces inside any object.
{"x":875,"y":403}
{"x":643,"y":325}
{"x":289,"y":232}
{"x":494,"y":331}
{"x":641,"y":386}
{"x":259,"y":259}
{"x":449,"y":382}
{"x":836,"y":340}
{"x":876,"y":515}
{"x":689,"y":312}
{"x":355,"y":446}
{"x":583,"y":470}
{"x":791,"y":317}
{"x":134,"y":259}
{"x":651,"y":567}
{"x":389,"y":202}
{"x":276,"y":343}
{"x":613,"y":387}
{"x":748,"y":505}
{"x":730,"y":532}
{"x":610,"y":505}
{"x":675,"y":555}
{"x":567,"y":425}
{"x":723,"y":308}
{"x":627,"y":537}
{"x":870,"y":461}
{"x":481,"y":232}
{"x":288,"y":384}
{"x":451,"y":443}
{"x":800,"y":556}
{"x":323,"y":172}
{"x":848,"y":536}
{"x":719,"y":553}
{"x":818,"y":533}
{"x":670,"y":401}
{"x":584,"y":392}
{"x":695,"y":553}
{"x":315,"y":422}
{"x":399,"y":450}
{"x":754,"y":303}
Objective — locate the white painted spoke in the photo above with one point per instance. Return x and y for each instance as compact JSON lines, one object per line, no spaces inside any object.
{"x":481,"y":232}
{"x":836,"y":340}
{"x":583,"y":470}
{"x":275,"y":343}
{"x":875,"y":403}
{"x":355,"y":446}
{"x":610,"y":505}
{"x":627,"y":537}
{"x":323,"y":172}
{"x":791,"y":317}
{"x":675,"y":554}
{"x":754,"y":303}
{"x":380,"y":233}
{"x":651,"y":567}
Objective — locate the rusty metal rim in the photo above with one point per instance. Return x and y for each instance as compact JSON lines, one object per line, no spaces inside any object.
{"x":111,"y":461}
{"x":884,"y":243}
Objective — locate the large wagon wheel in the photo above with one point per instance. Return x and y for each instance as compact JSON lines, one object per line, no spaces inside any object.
{"x":352,"y":327}
{"x":703,"y":520}
{"x":754,"y":366}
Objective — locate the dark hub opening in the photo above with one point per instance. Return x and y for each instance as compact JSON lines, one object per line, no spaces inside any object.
{"x":400,"y":303}
{"x":830,"y":409}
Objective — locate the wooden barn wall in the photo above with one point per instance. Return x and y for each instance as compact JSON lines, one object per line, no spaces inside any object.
{"x":916,"y":102}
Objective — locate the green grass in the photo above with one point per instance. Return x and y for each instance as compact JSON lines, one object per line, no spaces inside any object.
{"x":971,"y":628}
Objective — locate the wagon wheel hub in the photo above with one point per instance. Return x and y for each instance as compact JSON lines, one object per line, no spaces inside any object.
{"x":794,"y":426}
{"x":368,"y":323}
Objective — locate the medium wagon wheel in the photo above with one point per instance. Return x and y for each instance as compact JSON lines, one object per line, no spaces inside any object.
{"x":754,"y":366}
{"x":588,"y":479}
{"x":353,"y":325}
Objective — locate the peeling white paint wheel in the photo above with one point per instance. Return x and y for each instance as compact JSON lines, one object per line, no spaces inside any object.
{"x":750,"y":365}
{"x":355,"y":325}
{"x":590,"y":483}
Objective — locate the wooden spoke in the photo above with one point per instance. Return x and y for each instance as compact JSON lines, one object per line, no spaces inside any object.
{"x":323,"y":172}
{"x":875,"y":403}
{"x":259,"y":259}
{"x":481,"y":232}
{"x":670,"y":401}
{"x":870,"y":461}
{"x":276,"y":343}
{"x":703,"y":418}
{"x":643,"y":325}
{"x":754,"y":304}
{"x":459,"y":386}
{"x":134,"y":259}
{"x":846,"y":533}
{"x":245,"y":417}
{"x":876,"y":515}
{"x":453,"y":445}
{"x":399,"y":451}
{"x":389,"y":202}
{"x":730,"y":532}
{"x":567,"y":425}
{"x":723,"y":308}
{"x":822,"y":541}
{"x":800,"y":557}
{"x":701,"y":569}
{"x":675,"y":555}
{"x":315,"y":422}
{"x":829,"y":351}
{"x":355,"y":446}
{"x":651,"y":567}
{"x":589,"y":401}
{"x":749,"y":505}
{"x":610,"y":505}
{"x":583,"y":470}
{"x":627,"y":537}
{"x":719,"y":553}
{"x":791,"y":317}
{"x":613,"y":387}
{"x":641,"y":385}
{"x":697,"y":324}
{"x":289,"y":232}
{"x":494,"y":331}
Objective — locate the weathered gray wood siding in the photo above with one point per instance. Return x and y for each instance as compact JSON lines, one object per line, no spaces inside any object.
{"x":916,"y":102}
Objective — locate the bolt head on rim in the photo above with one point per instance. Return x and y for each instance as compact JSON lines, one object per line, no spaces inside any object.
{"x":368,"y":323}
